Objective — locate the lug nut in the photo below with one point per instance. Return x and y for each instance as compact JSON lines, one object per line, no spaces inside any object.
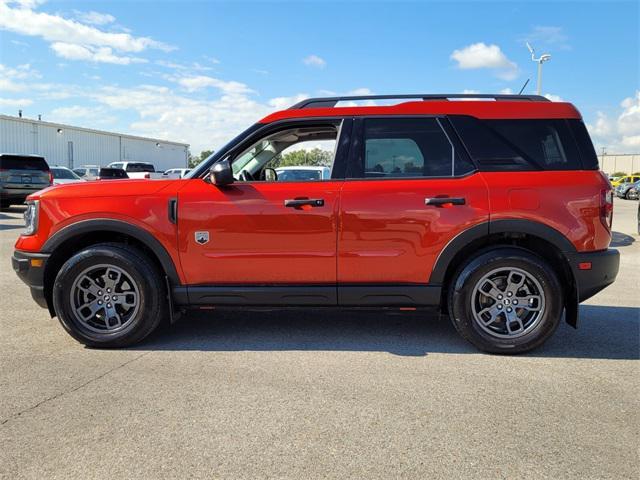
{"x":509,"y":310}
{"x":108,"y":305}
{"x":499,"y":307}
{"x":508,"y":294}
{"x":108,"y":290}
{"x":515,"y":302}
{"x":99,"y":292}
{"x":499,"y":297}
{"x":99,"y":302}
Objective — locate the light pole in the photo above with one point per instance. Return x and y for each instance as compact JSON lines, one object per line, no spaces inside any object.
{"x":540,"y":60}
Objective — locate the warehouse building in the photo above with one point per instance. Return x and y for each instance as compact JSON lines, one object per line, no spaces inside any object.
{"x":73,"y":147}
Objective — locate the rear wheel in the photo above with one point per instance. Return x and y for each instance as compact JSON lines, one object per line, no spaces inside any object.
{"x":506,"y":300}
{"x":109,"y":295}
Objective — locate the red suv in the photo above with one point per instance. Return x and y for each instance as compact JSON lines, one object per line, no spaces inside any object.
{"x":492,"y":209}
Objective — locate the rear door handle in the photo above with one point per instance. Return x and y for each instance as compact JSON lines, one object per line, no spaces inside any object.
{"x":302,"y":202}
{"x":438,"y":201}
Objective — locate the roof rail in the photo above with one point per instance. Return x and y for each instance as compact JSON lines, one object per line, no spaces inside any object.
{"x":330,"y":102}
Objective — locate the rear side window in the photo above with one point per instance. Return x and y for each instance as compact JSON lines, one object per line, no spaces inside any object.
{"x":585,"y":145}
{"x":140,"y":167}
{"x":409,"y":147}
{"x":519,"y":144}
{"x":16,"y":162}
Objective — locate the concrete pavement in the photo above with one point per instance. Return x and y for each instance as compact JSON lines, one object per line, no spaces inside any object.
{"x":321,"y":395}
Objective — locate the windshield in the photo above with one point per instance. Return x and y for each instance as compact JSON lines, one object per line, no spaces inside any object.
{"x":63,"y":173}
{"x":204,"y":165}
{"x":16,"y":162}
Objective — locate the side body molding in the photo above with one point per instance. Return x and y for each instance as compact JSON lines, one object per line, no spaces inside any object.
{"x":117,"y":226}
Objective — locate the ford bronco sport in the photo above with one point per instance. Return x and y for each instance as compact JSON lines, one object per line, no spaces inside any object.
{"x":468,"y":206}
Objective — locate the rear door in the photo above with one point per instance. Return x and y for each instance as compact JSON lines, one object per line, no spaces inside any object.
{"x":410,"y":189}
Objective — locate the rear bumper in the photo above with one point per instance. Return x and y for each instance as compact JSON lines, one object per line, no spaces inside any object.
{"x":32,"y":273}
{"x":601,"y":274}
{"x":18,"y":195}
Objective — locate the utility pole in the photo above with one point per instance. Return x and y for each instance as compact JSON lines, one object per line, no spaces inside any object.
{"x":540,"y":60}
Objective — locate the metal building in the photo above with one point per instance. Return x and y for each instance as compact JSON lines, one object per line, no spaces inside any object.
{"x":75,"y":146}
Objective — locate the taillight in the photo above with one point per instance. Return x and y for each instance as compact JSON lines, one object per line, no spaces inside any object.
{"x":147,"y":175}
{"x":606,"y":208}
{"x":50,"y":178}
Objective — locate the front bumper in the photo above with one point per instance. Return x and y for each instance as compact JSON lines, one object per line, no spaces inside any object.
{"x":594,"y":271}
{"x":30,"y":269}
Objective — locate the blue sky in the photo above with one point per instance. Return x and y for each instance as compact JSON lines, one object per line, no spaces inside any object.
{"x":200,"y":72}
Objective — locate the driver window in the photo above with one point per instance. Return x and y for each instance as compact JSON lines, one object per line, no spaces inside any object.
{"x":298,"y":154}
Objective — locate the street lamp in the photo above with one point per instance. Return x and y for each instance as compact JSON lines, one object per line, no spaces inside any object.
{"x":540,"y":60}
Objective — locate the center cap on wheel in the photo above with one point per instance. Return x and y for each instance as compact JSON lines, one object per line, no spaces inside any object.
{"x":507,"y":301}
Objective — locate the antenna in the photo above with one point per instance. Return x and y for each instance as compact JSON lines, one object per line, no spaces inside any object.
{"x":524,"y":86}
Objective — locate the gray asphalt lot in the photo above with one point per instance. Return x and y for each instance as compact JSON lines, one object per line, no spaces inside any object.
{"x":321,"y":394}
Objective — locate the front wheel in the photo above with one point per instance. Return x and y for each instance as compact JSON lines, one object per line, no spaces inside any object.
{"x":109,"y":295}
{"x":506,"y":300}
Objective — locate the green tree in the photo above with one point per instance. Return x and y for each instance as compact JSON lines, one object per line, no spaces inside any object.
{"x":194,"y":161}
{"x":315,"y":157}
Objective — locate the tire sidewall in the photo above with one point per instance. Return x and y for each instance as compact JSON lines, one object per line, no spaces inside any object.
{"x":461,"y":300}
{"x":139,"y":272}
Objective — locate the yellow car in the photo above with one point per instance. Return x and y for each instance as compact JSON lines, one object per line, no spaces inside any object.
{"x":625,"y":179}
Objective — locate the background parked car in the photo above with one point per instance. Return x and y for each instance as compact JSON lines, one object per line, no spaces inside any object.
{"x":626,"y":179}
{"x":63,"y":175}
{"x":88,"y":172}
{"x":134,"y":169}
{"x":622,"y":190}
{"x":634,"y":191}
{"x":290,"y":174}
{"x":176,"y":172}
{"x":20,"y":176}
{"x":108,"y":173}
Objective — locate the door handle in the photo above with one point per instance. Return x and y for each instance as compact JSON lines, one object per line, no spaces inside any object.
{"x":302,"y":202}
{"x":439,"y":201}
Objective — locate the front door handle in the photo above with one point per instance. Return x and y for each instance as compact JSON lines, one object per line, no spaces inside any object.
{"x":439,"y":201}
{"x":304,"y":202}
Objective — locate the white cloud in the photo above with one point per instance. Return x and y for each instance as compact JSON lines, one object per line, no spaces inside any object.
{"x":547,"y":36}
{"x":94,"y":18}
{"x":553,"y":98}
{"x":15,"y":102}
{"x":280,"y":103}
{"x":80,"y":114}
{"x":480,"y":55}
{"x":72,"y":51}
{"x":71,"y":38}
{"x":199,"y":82}
{"x":620,"y":134}
{"x":13,"y":79}
{"x":314,"y":61}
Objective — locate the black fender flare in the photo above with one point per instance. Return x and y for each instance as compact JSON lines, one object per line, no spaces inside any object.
{"x":116,"y":226}
{"x":530,"y":227}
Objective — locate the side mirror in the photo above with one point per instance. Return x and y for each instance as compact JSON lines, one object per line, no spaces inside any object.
{"x":221,"y":173}
{"x":270,"y":175}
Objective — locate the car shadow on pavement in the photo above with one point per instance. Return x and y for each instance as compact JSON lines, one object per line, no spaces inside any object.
{"x":619,"y":239}
{"x":603,"y":333}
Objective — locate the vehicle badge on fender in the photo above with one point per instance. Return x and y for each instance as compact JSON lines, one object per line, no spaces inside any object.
{"x":202,"y":237}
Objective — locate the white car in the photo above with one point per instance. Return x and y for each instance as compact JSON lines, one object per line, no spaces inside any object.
{"x":176,"y":172}
{"x":63,"y":175}
{"x":135,"y":169}
{"x":87,"y":172}
{"x":302,"y":173}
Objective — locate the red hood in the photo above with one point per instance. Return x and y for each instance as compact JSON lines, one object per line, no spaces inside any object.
{"x":103,"y":188}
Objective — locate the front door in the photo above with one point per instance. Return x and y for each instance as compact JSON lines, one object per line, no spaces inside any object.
{"x":412,"y":189}
{"x":277,"y":223}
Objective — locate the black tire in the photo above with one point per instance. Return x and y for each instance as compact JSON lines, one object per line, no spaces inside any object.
{"x":469,"y":276}
{"x":152,"y":300}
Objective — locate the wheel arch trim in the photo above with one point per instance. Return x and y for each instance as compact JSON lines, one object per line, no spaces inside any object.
{"x":485,"y":229}
{"x":115,"y":226}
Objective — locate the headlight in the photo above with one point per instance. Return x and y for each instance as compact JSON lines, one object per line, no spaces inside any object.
{"x":31,"y":217}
